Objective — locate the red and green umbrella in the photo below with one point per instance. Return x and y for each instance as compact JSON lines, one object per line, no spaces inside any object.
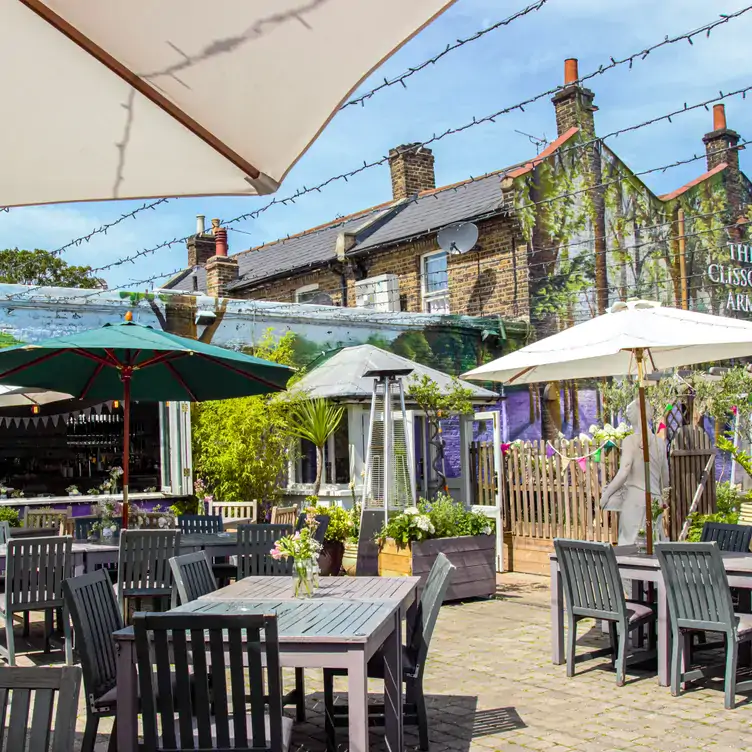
{"x":129,"y":361}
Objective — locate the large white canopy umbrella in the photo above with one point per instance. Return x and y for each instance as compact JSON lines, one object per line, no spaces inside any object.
{"x":633,"y":338}
{"x":115,"y":99}
{"x":20,"y":396}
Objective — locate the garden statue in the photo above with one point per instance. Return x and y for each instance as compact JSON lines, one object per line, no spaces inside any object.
{"x":626,"y":492}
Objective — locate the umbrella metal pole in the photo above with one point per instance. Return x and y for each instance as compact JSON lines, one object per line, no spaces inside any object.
{"x":126,"y":377}
{"x":645,"y":451}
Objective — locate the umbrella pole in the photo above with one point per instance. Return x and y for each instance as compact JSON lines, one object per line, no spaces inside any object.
{"x":645,"y":450}
{"x":126,"y":376}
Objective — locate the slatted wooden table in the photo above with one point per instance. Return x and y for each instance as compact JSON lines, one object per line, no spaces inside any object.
{"x":347,"y":621}
{"x":642,"y":568}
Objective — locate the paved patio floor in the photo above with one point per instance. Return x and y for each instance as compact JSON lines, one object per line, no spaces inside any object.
{"x":491,"y":686}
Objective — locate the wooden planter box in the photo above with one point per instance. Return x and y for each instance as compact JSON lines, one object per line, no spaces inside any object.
{"x":474,"y":557}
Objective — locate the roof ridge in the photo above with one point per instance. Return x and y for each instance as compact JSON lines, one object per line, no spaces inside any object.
{"x":692,"y":183}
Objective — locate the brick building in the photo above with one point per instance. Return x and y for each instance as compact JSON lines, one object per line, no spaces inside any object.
{"x":560,"y":236}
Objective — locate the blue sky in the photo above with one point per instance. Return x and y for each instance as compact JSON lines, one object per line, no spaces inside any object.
{"x":504,"y":67}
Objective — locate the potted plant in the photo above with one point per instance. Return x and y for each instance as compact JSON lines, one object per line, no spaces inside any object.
{"x":73,"y":491}
{"x":410,"y":542}
{"x":4,"y":490}
{"x":337,"y":532}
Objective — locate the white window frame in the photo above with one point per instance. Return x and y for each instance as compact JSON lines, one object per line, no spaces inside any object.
{"x":304,"y":289}
{"x":428,"y":297}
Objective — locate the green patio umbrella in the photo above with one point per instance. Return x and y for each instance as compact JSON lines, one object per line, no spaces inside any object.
{"x":129,"y":361}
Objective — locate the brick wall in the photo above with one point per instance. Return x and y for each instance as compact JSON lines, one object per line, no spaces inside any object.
{"x":490,"y":281}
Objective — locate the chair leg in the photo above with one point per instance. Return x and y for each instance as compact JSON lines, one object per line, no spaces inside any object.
{"x":59,"y":613}
{"x":621,"y":658}
{"x":677,"y":650}
{"x":420,"y":707}
{"x":571,"y":643}
{"x":48,"y":628}
{"x":26,"y":617}
{"x":68,"y":637}
{"x":732,"y":648}
{"x":300,"y":714}
{"x":614,"y":642}
{"x":10,"y":638}
{"x":90,"y":733}
{"x":112,"y":746}
{"x":329,"y":727}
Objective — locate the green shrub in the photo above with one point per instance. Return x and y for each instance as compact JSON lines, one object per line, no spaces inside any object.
{"x":340,"y":524}
{"x":10,"y":515}
{"x":728,"y":504}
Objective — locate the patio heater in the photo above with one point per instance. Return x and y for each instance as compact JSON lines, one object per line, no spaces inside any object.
{"x":388,"y":484}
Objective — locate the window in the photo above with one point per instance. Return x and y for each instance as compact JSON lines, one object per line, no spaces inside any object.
{"x":306,"y":294}
{"x":435,"y":282}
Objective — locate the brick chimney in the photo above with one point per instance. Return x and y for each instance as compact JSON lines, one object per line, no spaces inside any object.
{"x":574,"y":103}
{"x":721,"y":145}
{"x":412,"y":171}
{"x":221,"y":270}
{"x":201,"y":246}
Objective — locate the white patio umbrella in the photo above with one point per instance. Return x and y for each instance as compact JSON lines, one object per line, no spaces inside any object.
{"x":633,"y":338}
{"x":18,"y":396}
{"x":116,"y":99}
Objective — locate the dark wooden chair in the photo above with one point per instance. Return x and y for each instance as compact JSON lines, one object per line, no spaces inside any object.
{"x":414,"y":656}
{"x":20,"y":688}
{"x":254,"y":544}
{"x":96,"y":615}
{"x":321,"y":529}
{"x":200,"y":523}
{"x":593,"y":590}
{"x":193,"y":576}
{"x":207,"y":650}
{"x":35,"y":570}
{"x":699,"y":600}
{"x":728,"y":537}
{"x":144,"y":565}
{"x":4,"y":532}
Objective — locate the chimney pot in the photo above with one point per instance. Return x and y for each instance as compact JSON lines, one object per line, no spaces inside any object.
{"x":215,"y":226}
{"x":571,"y":71}
{"x":220,"y":240}
{"x":719,"y":117}
{"x":200,"y":224}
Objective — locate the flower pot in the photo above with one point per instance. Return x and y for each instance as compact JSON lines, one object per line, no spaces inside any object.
{"x":330,"y":558}
{"x":350,"y":558}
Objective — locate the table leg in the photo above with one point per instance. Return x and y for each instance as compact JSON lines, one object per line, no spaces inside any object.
{"x":664,"y":635}
{"x":357,"y":698}
{"x":127,"y":698}
{"x":393,"y":700}
{"x":79,"y":564}
{"x":557,"y":616}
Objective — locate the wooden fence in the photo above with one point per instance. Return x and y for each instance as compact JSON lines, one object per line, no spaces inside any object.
{"x":558,"y":496}
{"x":483,"y":473}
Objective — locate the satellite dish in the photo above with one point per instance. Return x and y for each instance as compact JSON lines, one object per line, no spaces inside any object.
{"x":459,"y":238}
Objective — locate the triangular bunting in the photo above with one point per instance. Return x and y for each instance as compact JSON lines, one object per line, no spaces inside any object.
{"x":54,"y":419}
{"x":565,"y":462}
{"x":17,"y":422}
{"x":45,"y":420}
{"x":35,"y":422}
{"x":26,"y":422}
{"x":582,"y":462}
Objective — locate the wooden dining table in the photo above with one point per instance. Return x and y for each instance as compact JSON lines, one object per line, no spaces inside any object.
{"x":344,"y":623}
{"x":636,"y":567}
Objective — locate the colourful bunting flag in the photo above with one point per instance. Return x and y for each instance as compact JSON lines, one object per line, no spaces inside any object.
{"x":550,"y":451}
{"x":661,"y":426}
{"x":505,"y":448}
{"x":582,"y":462}
{"x":610,"y":444}
{"x":669,"y":408}
{"x":733,"y":409}
{"x":597,"y":455}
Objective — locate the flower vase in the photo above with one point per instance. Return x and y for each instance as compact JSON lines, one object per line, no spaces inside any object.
{"x":642,"y":543}
{"x":305,"y":578}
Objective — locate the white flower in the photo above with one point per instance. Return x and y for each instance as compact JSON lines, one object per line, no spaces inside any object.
{"x":113,"y":528}
{"x":487,"y":530}
{"x":411,"y":510}
{"x":424,"y":523}
{"x":162,"y":522}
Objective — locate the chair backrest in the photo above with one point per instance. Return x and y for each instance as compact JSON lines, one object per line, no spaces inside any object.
{"x":95,"y":614}
{"x":321,"y":529}
{"x":200,"y":523}
{"x":696,"y":586}
{"x":20,"y":688}
{"x":45,"y":518}
{"x":193,"y":576}
{"x":590,"y":574}
{"x":143,"y":561}
{"x":422,"y":626}
{"x":34,"y":572}
{"x":285,"y":515}
{"x":4,"y":532}
{"x":82,"y":526}
{"x":234,"y":510}
{"x":728,"y":537}
{"x":199,"y":707}
{"x":254,"y":544}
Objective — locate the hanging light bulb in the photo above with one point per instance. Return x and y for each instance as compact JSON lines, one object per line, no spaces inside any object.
{"x":116,"y":404}
{"x":35,"y":409}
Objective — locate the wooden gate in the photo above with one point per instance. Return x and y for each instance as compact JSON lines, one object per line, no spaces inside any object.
{"x":482,"y":473}
{"x":692,"y":471}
